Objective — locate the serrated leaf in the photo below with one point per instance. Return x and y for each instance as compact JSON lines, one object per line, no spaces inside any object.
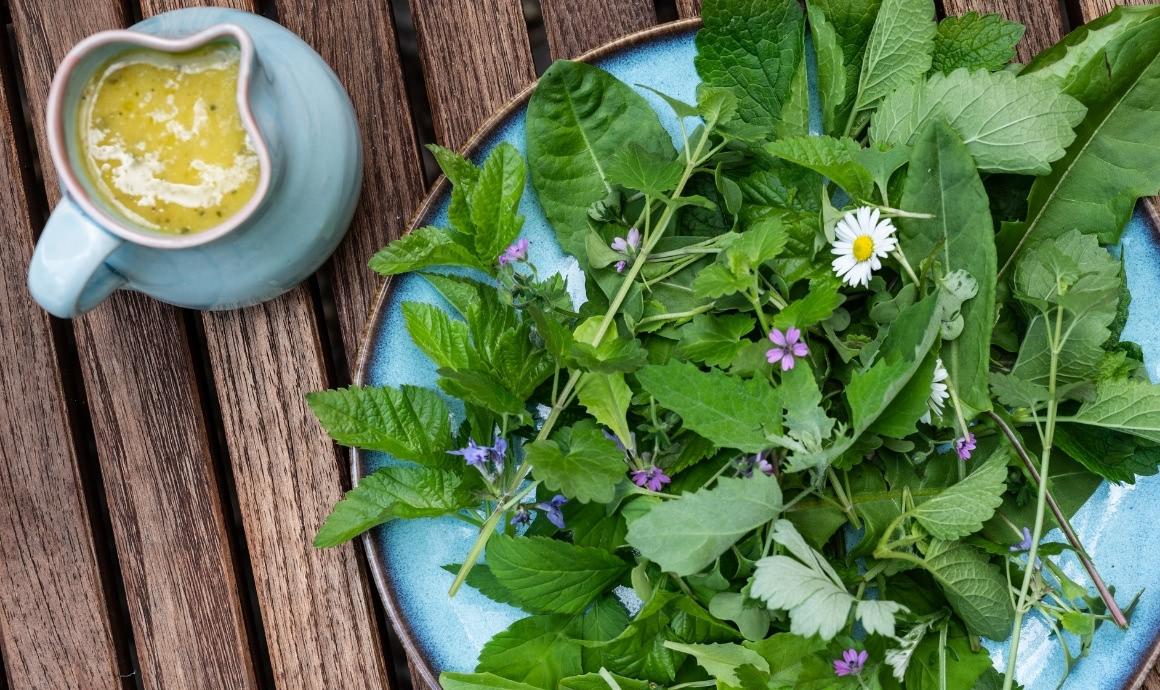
{"x":877,"y":616}
{"x":728,"y":410}
{"x":421,"y":248}
{"x":1008,"y":124}
{"x":606,"y":397}
{"x":538,"y":650}
{"x":440,"y":337}
{"x":716,"y":280}
{"x":975,"y":588}
{"x":962,"y":508}
{"x":805,"y":586}
{"x":494,"y":200}
{"x":1114,"y":456}
{"x":551,"y":576}
{"x":410,"y":423}
{"x":1130,"y":407}
{"x":815,"y":307}
{"x":481,"y":578}
{"x":685,"y":535}
{"x":833,"y":158}
{"x":459,"y":171}
{"x":483,"y":389}
{"x":898,"y":50}
{"x":1064,"y":60}
{"x":587,"y":469}
{"x":637,"y":168}
{"x":721,"y":660}
{"x":714,"y":340}
{"x":975,"y":41}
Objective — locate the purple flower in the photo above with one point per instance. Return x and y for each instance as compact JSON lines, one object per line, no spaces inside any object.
{"x":629,"y":244}
{"x":762,"y":464}
{"x":620,"y":266}
{"x":497,"y":452}
{"x":790,"y":347}
{"x":475,"y":455}
{"x":522,"y":517}
{"x":1024,"y":545}
{"x":964,"y":446}
{"x":552,"y":510}
{"x":653,"y":478}
{"x":851,"y":662}
{"x":516,"y":251}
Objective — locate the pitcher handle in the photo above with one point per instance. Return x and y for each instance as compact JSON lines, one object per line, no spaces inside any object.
{"x":68,"y":275}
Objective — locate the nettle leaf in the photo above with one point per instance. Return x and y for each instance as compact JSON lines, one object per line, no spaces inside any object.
{"x":1008,"y":124}
{"x":1114,"y":161}
{"x":421,"y":248}
{"x":962,"y":508}
{"x":483,"y":389}
{"x":587,"y":467}
{"x":942,"y":181}
{"x":752,"y":48}
{"x":714,"y":340}
{"x":1129,"y":407}
{"x":722,"y":660}
{"x":815,"y":307}
{"x":728,"y":410}
{"x":833,"y":158}
{"x":1114,"y":456}
{"x":685,"y":535}
{"x":393,"y":492}
{"x":975,"y":41}
{"x":480,"y":681}
{"x":898,"y":50}
{"x":551,"y":576}
{"x":410,"y":423}
{"x":831,"y":68}
{"x":538,"y":650}
{"x":494,"y":200}
{"x":440,"y":337}
{"x":639,"y":651}
{"x":852,"y":23}
{"x":606,"y":397}
{"x":975,"y":588}
{"x":579,"y":118}
{"x":481,"y":578}
{"x":638,"y":168}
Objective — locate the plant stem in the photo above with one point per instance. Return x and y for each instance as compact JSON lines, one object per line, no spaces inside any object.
{"x":1065,"y":525}
{"x":901,"y":258}
{"x":847,"y":505}
{"x":673,"y":316}
{"x":488,"y":528}
{"x":756,"y":302}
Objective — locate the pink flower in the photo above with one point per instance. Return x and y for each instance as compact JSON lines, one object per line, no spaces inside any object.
{"x":964,"y":446}
{"x":628,"y":244}
{"x":516,"y":251}
{"x":653,"y":478}
{"x":851,"y":662}
{"x":790,"y":347}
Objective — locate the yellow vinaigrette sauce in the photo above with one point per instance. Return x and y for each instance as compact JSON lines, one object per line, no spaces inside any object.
{"x":163,"y":139}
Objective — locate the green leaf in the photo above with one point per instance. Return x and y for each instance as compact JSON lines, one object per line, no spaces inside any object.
{"x":831,"y":68}
{"x":594,"y":681}
{"x":752,"y":48}
{"x":1008,"y":124}
{"x":729,"y":411}
{"x":898,"y":51}
{"x":815,"y":307}
{"x":963,"y":662}
{"x":481,"y":578}
{"x":1114,"y":456}
{"x":538,"y":650}
{"x":494,"y":200}
{"x":795,"y":662}
{"x":410,"y":423}
{"x":852,"y":20}
{"x":1065,"y":60}
{"x":393,"y":492}
{"x":1129,"y":407}
{"x":805,"y":421}
{"x":975,"y":41}
{"x":900,"y":418}
{"x":716,"y":280}
{"x":794,"y":119}
{"x":421,"y":248}
{"x":962,"y":509}
{"x":578,"y":118}
{"x":721,"y":660}
{"x":606,"y":397}
{"x":877,"y":616}
{"x":975,"y":588}
{"x":483,"y":389}
{"x":1115,"y":160}
{"x":685,"y":535}
{"x":480,"y":681}
{"x":638,"y":168}
{"x":588,"y":468}
{"x":833,"y":158}
{"x":714,"y":340}
{"x":943,"y":182}
{"x":551,"y":576}
{"x":440,"y":337}
{"x":763,"y":241}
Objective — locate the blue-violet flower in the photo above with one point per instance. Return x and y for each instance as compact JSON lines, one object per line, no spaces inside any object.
{"x":653,"y":478}
{"x":552,"y":510}
{"x":475,"y":455}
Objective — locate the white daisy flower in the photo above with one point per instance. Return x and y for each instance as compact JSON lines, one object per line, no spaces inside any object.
{"x":938,"y":392}
{"x":863,"y":239}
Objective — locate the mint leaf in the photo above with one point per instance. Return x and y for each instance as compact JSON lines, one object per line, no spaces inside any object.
{"x":898,"y":51}
{"x":831,"y":67}
{"x":551,"y":576}
{"x":494,"y":200}
{"x":752,"y":48}
{"x":440,"y":337}
{"x":833,"y":158}
{"x":714,"y":340}
{"x":393,"y":492}
{"x":975,"y":41}
{"x":578,"y":118}
{"x":1008,"y":124}
{"x":685,"y":535}
{"x":638,"y":168}
{"x":804,"y":585}
{"x":539,"y":651}
{"x":480,"y":681}
{"x":482,"y":579}
{"x":975,"y":588}
{"x":729,"y":411}
{"x":410,"y":423}
{"x":944,"y":182}
{"x":962,"y":508}
{"x":606,"y":397}
{"x":587,"y":467}
{"x":421,"y":248}
{"x":721,"y":660}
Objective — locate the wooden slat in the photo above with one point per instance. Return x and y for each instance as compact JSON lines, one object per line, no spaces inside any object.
{"x":1043,"y":19}
{"x":688,"y":8}
{"x":475,"y":56}
{"x":160,"y":482}
{"x":575,"y":26}
{"x":54,"y":619}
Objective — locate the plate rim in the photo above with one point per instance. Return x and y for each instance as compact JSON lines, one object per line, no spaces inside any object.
{"x":416,"y":657}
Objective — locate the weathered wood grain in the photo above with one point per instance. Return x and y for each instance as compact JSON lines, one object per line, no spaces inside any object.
{"x":54,"y":617}
{"x":475,"y":56}
{"x":575,"y":26}
{"x":1043,"y":19}
{"x":688,"y":8}
{"x":161,"y":485}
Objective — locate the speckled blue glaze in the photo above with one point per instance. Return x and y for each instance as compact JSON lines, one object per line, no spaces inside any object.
{"x":451,"y":632}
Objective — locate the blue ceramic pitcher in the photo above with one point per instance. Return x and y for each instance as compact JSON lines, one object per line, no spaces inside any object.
{"x":302,"y":128}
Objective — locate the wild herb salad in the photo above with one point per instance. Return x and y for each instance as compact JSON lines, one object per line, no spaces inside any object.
{"x":830,"y":342}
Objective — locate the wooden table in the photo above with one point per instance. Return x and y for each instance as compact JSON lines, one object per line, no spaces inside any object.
{"x":160,"y":475}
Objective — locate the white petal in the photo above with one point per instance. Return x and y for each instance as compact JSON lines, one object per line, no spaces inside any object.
{"x":846,"y":230}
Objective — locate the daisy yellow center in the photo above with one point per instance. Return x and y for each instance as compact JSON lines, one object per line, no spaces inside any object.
{"x":863,"y":247}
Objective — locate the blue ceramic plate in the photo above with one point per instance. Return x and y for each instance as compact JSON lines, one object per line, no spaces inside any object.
{"x":442,"y":634}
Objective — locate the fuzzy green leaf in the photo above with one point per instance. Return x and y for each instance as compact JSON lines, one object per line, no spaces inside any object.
{"x":962,"y":508}
{"x":551,"y":576}
{"x":421,"y":248}
{"x":898,"y":51}
{"x":975,"y":41}
{"x":975,"y":588}
{"x":538,"y":650}
{"x":493,"y":201}
{"x":833,"y":158}
{"x":410,"y":423}
{"x":439,"y":336}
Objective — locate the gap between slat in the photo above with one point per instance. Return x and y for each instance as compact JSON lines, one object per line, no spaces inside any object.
{"x":537,"y":36}
{"x":414,"y":81}
{"x":666,"y":11}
